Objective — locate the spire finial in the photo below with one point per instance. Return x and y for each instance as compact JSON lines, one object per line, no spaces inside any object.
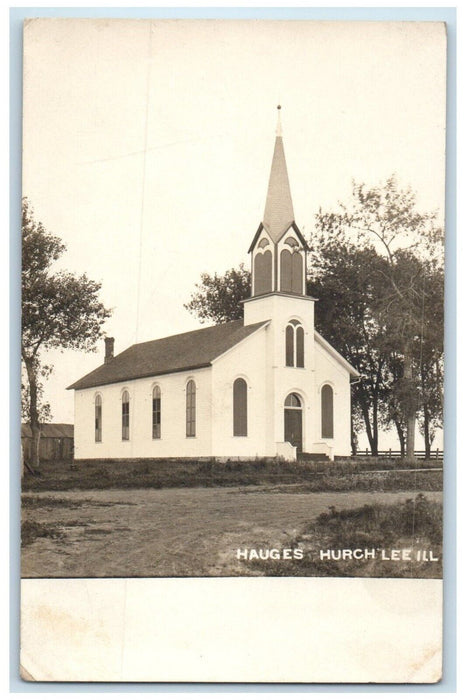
{"x":279,"y":121}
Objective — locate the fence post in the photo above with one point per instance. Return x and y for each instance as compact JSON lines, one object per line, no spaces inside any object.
{"x":367,"y":451}
{"x":390,"y":453}
{"x":436,"y":454}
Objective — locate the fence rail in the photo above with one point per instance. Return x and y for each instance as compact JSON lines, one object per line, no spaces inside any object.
{"x":396,"y":454}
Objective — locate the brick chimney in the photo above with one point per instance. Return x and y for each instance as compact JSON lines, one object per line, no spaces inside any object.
{"x":109,"y":346}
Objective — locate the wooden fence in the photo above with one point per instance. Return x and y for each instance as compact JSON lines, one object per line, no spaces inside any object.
{"x":435,"y":455}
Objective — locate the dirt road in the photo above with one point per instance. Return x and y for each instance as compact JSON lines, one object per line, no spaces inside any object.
{"x":168,"y":532}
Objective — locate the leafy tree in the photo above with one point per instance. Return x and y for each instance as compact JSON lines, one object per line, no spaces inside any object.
{"x":386,"y":216}
{"x":59,"y":310}
{"x":217,"y":298}
{"x":345,"y":280}
{"x":429,"y":353}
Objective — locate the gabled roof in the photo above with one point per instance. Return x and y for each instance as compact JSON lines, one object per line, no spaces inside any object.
{"x":49,"y":430}
{"x":335,"y":354}
{"x":293,"y":225}
{"x":177,"y":353}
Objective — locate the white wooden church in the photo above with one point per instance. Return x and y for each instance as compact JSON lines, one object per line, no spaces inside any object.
{"x":267,"y":386}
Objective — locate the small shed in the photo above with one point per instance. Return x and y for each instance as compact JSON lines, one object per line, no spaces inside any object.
{"x":56,"y":442}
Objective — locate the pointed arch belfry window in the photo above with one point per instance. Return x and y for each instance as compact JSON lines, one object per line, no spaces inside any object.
{"x":294,"y":344}
{"x":263,"y":273}
{"x":326,"y":396}
{"x":291,"y":271}
{"x":240,"y":408}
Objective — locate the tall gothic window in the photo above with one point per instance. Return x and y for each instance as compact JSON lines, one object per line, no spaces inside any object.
{"x":156,"y":413}
{"x":125,"y":416}
{"x":240,"y":408}
{"x":98,"y":418}
{"x":191,"y":409}
{"x":294,"y":344}
{"x":326,"y":396}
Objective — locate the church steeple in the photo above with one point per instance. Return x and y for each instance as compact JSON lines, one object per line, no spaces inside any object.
{"x":278,"y":213}
{"x":278,"y":249}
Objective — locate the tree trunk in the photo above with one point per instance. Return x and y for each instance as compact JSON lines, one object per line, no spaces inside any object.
{"x":375,"y":425}
{"x":354,"y":438}
{"x":370,"y":436}
{"x":401,"y":436}
{"x":410,"y":403}
{"x":426,"y":432}
{"x":33,"y":411}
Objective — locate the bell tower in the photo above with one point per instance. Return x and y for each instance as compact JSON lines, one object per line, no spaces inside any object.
{"x":278,"y":250}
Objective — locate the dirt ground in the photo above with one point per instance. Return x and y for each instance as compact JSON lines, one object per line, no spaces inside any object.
{"x":169,"y":532}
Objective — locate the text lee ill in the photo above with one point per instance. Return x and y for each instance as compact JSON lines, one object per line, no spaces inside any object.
{"x":383,"y":554}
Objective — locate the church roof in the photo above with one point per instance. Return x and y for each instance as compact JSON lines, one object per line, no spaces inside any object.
{"x":176,"y":353}
{"x":278,"y":213}
{"x":335,"y":354}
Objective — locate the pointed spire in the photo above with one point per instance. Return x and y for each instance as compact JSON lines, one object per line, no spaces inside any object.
{"x":278,"y":131}
{"x":278,"y":214}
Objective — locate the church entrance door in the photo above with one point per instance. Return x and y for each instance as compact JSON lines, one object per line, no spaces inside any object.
{"x":294,"y":421}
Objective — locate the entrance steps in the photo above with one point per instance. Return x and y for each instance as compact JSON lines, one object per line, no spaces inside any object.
{"x":312,"y":457}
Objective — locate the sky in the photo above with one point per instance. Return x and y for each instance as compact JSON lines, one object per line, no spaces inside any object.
{"x":147,"y":146}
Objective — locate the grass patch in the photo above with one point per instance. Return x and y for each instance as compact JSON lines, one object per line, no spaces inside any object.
{"x":363,"y":475}
{"x":32,"y":530}
{"x":57,"y":502}
{"x":414,"y":524}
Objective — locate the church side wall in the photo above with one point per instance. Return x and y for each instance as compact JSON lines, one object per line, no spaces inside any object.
{"x":247,"y":360}
{"x":173,"y":441}
{"x":329,"y":371}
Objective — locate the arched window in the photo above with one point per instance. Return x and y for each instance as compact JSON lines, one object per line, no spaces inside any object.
{"x":240,"y":408}
{"x":289,"y":346}
{"x":326,"y":396}
{"x":299,"y":346}
{"x":294,"y":344}
{"x":125,"y":416}
{"x":294,"y":421}
{"x":98,"y":418}
{"x":156,"y":413}
{"x":263,"y":273}
{"x":293,"y":401}
{"x":291,"y":271}
{"x":191,"y":409}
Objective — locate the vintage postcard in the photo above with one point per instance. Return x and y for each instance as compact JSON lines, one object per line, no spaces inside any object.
{"x":232,"y":350}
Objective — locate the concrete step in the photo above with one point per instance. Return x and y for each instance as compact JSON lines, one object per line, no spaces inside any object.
{"x":312,"y":457}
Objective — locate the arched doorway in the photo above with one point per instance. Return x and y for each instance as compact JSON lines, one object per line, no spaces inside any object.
{"x":294,"y":421}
